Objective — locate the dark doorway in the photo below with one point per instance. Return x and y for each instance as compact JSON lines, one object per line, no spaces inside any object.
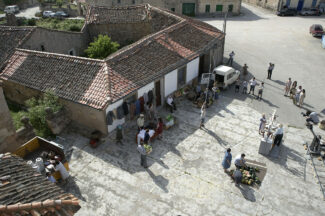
{"x":300,"y":5}
{"x":201,"y":66}
{"x":157,"y":93}
{"x":189,"y":9}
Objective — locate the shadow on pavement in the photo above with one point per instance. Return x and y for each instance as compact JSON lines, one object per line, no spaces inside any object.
{"x":71,"y":187}
{"x":159,"y":180}
{"x":247,"y":192}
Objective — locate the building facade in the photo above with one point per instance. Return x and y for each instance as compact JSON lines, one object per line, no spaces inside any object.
{"x":185,"y":7}
{"x":171,"y":52}
{"x":278,"y":4}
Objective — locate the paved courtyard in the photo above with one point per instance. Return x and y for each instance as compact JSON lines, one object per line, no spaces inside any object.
{"x":258,"y":37}
{"x":185,"y":176}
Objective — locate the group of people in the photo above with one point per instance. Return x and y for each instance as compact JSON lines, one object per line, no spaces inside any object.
{"x":277,"y":135}
{"x":252,"y":84}
{"x":53,"y":163}
{"x":297,"y":94}
{"x":239,"y":163}
{"x":145,"y":133}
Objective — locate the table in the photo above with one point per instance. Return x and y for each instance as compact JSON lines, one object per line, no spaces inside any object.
{"x":265,"y":146}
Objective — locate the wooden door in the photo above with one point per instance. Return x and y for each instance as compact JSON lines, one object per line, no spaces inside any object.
{"x":158,"y":93}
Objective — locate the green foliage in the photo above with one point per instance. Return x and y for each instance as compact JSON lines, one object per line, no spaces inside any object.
{"x":11,"y":2}
{"x":31,"y":22}
{"x":102,"y":47}
{"x":61,"y":24}
{"x":36,"y":112}
{"x":75,"y":28}
{"x":59,"y":3}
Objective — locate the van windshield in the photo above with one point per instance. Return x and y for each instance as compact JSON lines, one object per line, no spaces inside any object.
{"x":219,"y":78}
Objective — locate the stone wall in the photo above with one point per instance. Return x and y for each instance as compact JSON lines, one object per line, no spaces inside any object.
{"x":176,"y":5}
{"x":57,"y":41}
{"x":7,"y":129}
{"x":269,"y":4}
{"x":78,"y":113}
{"x":123,"y":33}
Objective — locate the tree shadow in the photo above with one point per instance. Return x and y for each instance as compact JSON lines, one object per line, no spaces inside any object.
{"x":159,"y":180}
{"x":279,"y":82}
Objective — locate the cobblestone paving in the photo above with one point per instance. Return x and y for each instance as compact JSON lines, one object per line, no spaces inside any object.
{"x":185,"y":176}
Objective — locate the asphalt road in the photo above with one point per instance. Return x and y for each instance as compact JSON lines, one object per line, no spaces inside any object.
{"x":258,"y":37}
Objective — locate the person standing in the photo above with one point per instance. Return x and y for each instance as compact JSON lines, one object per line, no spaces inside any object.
{"x":215,"y":90}
{"x":119,"y":134}
{"x":269,"y":71}
{"x":252,"y":84}
{"x":293,"y":89}
{"x":227,"y":160}
{"x":238,"y":176}
{"x":296,"y":100}
{"x":171,"y":103}
{"x":203,"y":112}
{"x":260,"y":91}
{"x":160,"y":128}
{"x":140,"y":121}
{"x":231,"y":58}
{"x":287,"y":87}
{"x":237,"y":84}
{"x":262,"y":125}
{"x":143,"y":155}
{"x":245,"y":87}
{"x":63,"y":171}
{"x":302,"y":97}
{"x":146,"y":137}
{"x":278,"y":135}
{"x":245,"y":72}
{"x":152,"y":112}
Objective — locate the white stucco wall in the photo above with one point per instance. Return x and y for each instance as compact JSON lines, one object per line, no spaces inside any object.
{"x":192,"y":70}
{"x":145,"y":89}
{"x":116,"y":122}
{"x":170,"y":82}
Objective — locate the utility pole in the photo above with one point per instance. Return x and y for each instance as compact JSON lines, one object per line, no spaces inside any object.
{"x":225,"y":23}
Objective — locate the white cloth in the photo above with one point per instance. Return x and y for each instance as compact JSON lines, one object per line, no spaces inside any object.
{"x":170,"y":100}
{"x":253,"y":82}
{"x":63,"y":171}
{"x":278,"y":131}
{"x":239,"y":161}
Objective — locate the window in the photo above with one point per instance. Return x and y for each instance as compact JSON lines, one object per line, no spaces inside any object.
{"x":118,"y":1}
{"x":207,"y":8}
{"x":230,"y":7}
{"x":181,"y":76}
{"x":42,"y":48}
{"x":71,"y":52}
{"x":172,"y":9}
{"x":219,"y":7}
{"x":133,"y":1}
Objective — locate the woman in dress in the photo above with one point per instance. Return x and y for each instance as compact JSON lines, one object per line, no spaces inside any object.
{"x":287,"y":88}
{"x":227,"y":160}
{"x":302,"y":97}
{"x":160,"y":127}
{"x":262,"y":125}
{"x":293,"y":89}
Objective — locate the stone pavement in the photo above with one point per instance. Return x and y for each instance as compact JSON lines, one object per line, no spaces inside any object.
{"x":185,"y":176}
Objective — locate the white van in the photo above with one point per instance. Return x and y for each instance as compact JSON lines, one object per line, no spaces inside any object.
{"x":11,"y":9}
{"x":225,"y":75}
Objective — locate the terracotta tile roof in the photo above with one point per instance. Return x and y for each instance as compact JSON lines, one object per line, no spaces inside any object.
{"x":127,"y":14}
{"x":11,"y":37}
{"x":94,"y":82}
{"x":73,"y":78}
{"x":25,"y":192}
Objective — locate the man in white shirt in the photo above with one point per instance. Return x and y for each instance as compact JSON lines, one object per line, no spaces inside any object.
{"x":278,"y":135}
{"x":252,"y":84}
{"x":63,"y":171}
{"x":240,"y":161}
{"x":171,"y":104}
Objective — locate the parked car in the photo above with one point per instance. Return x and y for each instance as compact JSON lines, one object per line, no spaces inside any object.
{"x":11,"y":9}
{"x":316,"y":30}
{"x":48,"y":14}
{"x":60,"y":14}
{"x":287,"y":12}
{"x":310,"y":12}
{"x":225,"y":76}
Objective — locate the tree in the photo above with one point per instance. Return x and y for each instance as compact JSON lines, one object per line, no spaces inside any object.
{"x":102,"y":47}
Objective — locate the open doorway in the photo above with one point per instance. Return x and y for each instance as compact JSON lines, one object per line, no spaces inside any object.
{"x":158,"y":93}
